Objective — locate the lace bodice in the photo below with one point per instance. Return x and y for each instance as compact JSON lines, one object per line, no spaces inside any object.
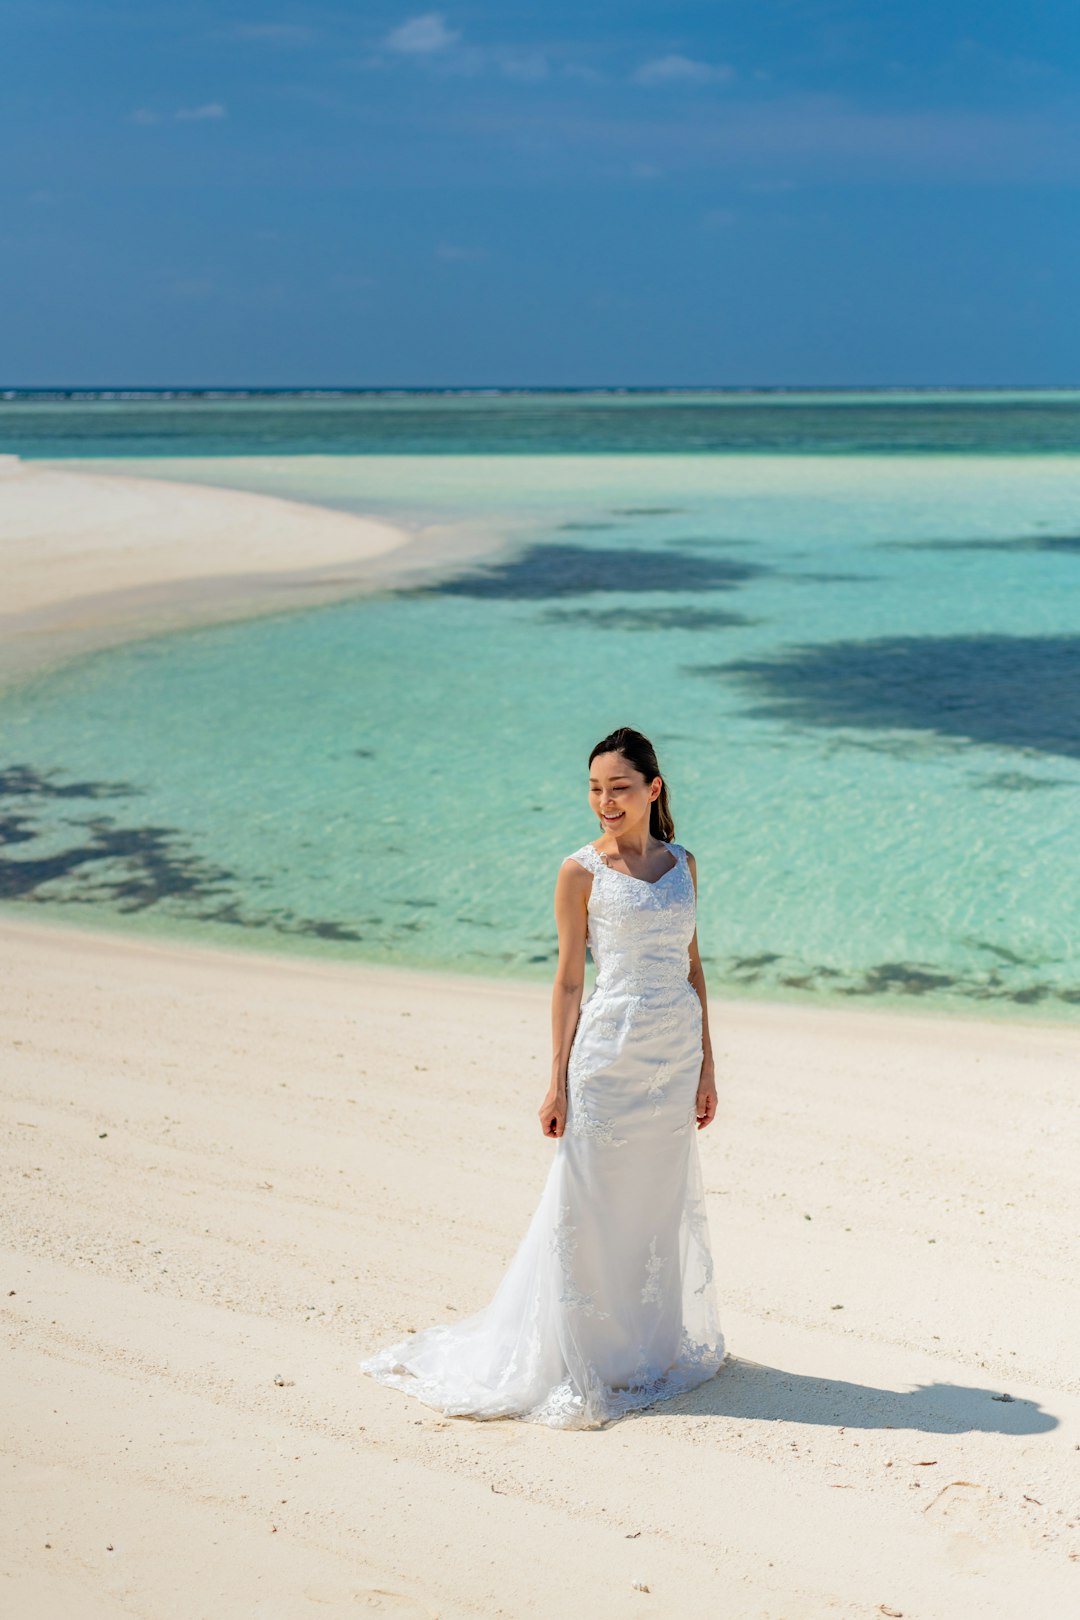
{"x":639,"y":933}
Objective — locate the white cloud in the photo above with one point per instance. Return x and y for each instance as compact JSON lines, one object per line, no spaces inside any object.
{"x":182,"y":115}
{"x":682,"y":70}
{"x":208,"y":109}
{"x":428,"y":41}
{"x":422,"y":36}
{"x":718,"y":219}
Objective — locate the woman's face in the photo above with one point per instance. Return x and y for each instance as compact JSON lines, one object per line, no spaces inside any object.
{"x":619,"y":794}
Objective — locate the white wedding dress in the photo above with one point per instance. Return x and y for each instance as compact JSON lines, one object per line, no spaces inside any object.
{"x":609,"y":1301}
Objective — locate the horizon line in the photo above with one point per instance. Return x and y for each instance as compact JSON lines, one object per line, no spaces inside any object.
{"x":241,"y":390}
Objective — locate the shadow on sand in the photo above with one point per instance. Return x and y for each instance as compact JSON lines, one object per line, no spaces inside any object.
{"x":762,"y":1394}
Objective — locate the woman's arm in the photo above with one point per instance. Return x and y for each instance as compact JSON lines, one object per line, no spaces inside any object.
{"x":572,"y":888}
{"x":706,"y":1094}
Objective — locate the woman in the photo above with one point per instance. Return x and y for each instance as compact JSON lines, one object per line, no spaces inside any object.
{"x":609,"y":1302}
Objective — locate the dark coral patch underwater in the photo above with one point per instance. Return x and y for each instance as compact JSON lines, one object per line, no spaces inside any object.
{"x":1003,"y":691}
{"x":568,"y":570}
{"x":648,"y":618}
{"x":1022,"y":542}
{"x":127,"y":869}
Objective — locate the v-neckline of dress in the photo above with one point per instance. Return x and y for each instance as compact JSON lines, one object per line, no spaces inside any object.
{"x":648,"y":884}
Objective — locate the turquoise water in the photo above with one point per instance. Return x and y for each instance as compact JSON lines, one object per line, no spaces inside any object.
{"x":861,"y":673}
{"x":493,"y":422}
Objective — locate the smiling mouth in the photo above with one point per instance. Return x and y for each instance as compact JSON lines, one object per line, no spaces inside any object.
{"x":613,"y":818}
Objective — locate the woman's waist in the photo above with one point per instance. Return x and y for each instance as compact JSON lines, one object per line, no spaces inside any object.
{"x":639,"y":975}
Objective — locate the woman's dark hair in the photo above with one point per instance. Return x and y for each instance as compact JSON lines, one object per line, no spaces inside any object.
{"x":641,"y":754}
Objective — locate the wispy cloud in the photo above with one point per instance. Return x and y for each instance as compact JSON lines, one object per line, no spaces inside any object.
{"x":207,"y":110}
{"x":530,"y":66}
{"x":787,"y":141}
{"x":425,"y":35}
{"x":583,"y":71}
{"x":427,"y":41}
{"x":682,"y":70}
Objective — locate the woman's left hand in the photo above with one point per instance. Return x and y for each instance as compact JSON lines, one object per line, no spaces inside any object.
{"x":705,"y":1107}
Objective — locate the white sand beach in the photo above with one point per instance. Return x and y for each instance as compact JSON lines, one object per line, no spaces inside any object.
{"x":230,"y":1175}
{"x":91,"y":559}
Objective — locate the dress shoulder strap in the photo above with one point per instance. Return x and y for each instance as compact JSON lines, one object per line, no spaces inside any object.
{"x":588,"y":858}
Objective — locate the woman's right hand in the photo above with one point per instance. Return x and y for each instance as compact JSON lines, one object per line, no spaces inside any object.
{"x":552,"y":1112}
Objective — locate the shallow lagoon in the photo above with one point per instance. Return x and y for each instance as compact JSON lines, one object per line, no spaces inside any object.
{"x":860,"y":672}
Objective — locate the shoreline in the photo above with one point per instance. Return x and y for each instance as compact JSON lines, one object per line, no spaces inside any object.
{"x":94,"y":560}
{"x":924,"y":1023}
{"x":230,"y":1177}
{"x":54,"y":922}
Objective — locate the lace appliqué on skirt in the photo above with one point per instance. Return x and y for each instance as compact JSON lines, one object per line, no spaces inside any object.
{"x":651,"y":1293}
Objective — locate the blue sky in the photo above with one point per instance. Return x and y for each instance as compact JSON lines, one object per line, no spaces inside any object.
{"x":778,"y":192}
